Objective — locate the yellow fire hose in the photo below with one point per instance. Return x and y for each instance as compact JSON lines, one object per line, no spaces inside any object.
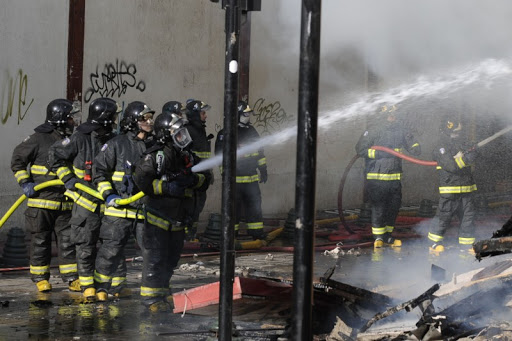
{"x":58,"y":182}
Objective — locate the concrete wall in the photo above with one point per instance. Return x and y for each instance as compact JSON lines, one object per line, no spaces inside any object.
{"x":161,"y":50}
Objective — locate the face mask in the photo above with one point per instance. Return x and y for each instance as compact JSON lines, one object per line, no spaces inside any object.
{"x":181,"y":138}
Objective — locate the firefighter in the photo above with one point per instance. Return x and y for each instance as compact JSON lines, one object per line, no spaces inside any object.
{"x":201,"y":147}
{"x":48,"y":210}
{"x":248,"y":195}
{"x":163,"y":174}
{"x":454,"y":157}
{"x":113,"y":179}
{"x":72,"y":160}
{"x":176,"y":108}
{"x":384,"y":172}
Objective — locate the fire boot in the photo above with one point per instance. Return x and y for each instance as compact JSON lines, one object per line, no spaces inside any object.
{"x":101,"y":296}
{"x":90,"y":294}
{"x":378,"y":243}
{"x":257,"y":234}
{"x":74,"y":285}
{"x":390,"y":241}
{"x":44,"y":286}
{"x":123,"y":292}
{"x":436,"y":249}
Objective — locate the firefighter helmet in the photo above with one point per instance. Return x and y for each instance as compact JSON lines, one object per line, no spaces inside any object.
{"x":174,"y":107}
{"x":170,"y":127}
{"x":195,"y":107}
{"x":103,"y":111}
{"x":59,"y":111}
{"x":134,"y":113}
{"x":450,"y":125}
{"x":244,"y":113}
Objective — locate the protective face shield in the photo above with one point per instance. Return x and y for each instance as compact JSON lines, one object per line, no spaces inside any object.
{"x":171,"y":128}
{"x":244,"y":113}
{"x":146,"y":122}
{"x":181,"y":137}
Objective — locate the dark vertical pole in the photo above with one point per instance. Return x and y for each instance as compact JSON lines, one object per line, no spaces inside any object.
{"x":306,"y":171}
{"x":75,"y":49}
{"x":245,"y":55}
{"x":227,"y":256}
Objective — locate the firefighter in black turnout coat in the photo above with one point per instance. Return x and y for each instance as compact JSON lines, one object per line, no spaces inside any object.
{"x":72,"y":160}
{"x":384,"y":172}
{"x":201,"y":147}
{"x":113,"y":179}
{"x":48,"y":209}
{"x":454,"y":157}
{"x":248,"y":195}
{"x":163,"y":174}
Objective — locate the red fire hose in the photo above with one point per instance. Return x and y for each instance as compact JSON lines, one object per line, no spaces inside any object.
{"x":351,"y":163}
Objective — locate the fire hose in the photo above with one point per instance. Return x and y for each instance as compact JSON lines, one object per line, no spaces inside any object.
{"x":402,"y":156}
{"x":58,"y":182}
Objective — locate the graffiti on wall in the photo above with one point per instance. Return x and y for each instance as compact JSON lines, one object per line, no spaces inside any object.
{"x":114,"y":80}
{"x":16,"y":89}
{"x":269,"y":117}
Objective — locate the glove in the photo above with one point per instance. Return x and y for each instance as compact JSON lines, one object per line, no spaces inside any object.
{"x":175,"y":189}
{"x":70,"y":184}
{"x":28,"y":189}
{"x":470,"y":156}
{"x":111,"y":200}
{"x":263,"y":175}
{"x":127,"y":184}
{"x":186,"y":180}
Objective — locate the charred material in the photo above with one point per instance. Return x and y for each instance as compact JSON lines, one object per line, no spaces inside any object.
{"x":492,"y":247}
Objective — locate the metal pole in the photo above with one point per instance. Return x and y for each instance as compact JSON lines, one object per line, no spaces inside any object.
{"x":306,"y":171}
{"x":227,"y":257}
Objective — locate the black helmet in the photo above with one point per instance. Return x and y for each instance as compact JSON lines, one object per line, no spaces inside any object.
{"x":170,"y":127}
{"x":173,"y":107}
{"x":103,"y":111}
{"x":194,"y":108}
{"x":244,"y":113}
{"x":450,"y":125}
{"x":59,"y":111}
{"x":135,"y":112}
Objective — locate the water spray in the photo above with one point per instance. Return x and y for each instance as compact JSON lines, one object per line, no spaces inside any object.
{"x":486,"y":72}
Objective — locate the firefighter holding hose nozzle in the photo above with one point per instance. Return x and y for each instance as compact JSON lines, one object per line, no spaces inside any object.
{"x":384,"y":172}
{"x":454,"y":156}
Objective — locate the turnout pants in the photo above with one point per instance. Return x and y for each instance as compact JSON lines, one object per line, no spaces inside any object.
{"x":461,"y":205}
{"x":386,"y":199}
{"x":110,"y":270}
{"x":85,"y":229}
{"x":248,"y":199}
{"x":161,"y":254}
{"x":42,"y":224}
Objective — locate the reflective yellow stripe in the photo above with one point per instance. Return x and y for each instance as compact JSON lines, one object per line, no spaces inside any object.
{"x":68,"y":268}
{"x":63,"y":171}
{"x":457,"y":189}
{"x":251,"y":154}
{"x":385,"y":177}
{"x":117,"y":281}
{"x":99,"y":278}
{"x":175,"y":228}
{"x":439,"y":167}
{"x":255,"y":226}
{"x":399,"y":150}
{"x":237,"y":226}
{"x":157,"y":221}
{"x":189,"y":192}
{"x":44,"y":203}
{"x":80,"y":200}
{"x":247,"y":179}
{"x":85,"y":281}
{"x":21,"y":175}
{"x":435,"y":237}
{"x":460,"y":162}
{"x":389,"y":229}
{"x":371,"y":153}
{"x":262,"y":161}
{"x":67,"y":206}
{"x":39,"y":270}
{"x":153,"y":292}
{"x":415,"y":145}
{"x":466,"y":241}
{"x":202,"y":155}
{"x":200,"y":182}
{"x":157,"y":187}
{"x":104,"y":186}
{"x":378,"y":230}
{"x":40,"y":170}
{"x":118,"y":176}
{"x":79,"y":172}
{"x":123,"y":213}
